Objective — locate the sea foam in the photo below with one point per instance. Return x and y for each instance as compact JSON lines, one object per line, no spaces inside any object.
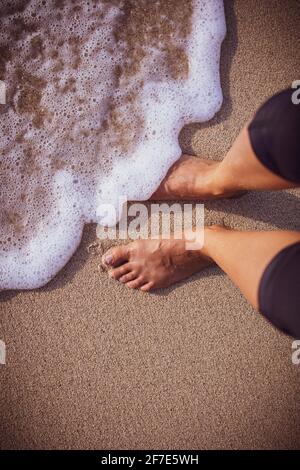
{"x":97,"y":93}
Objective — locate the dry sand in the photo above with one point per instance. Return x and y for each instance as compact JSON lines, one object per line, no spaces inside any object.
{"x":91,"y":364}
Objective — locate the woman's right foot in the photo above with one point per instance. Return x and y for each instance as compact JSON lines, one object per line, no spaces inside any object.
{"x":191,"y":178}
{"x":153,"y":264}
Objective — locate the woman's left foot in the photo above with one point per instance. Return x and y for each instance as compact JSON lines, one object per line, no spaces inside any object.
{"x":191,"y":178}
{"x":153,"y":264}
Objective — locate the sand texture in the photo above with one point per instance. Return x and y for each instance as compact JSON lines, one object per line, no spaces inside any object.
{"x":92,"y":364}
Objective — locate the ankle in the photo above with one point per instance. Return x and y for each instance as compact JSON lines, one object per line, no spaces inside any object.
{"x":211,"y":235}
{"x":199,"y":243}
{"x":214,"y":183}
{"x":219,"y":185}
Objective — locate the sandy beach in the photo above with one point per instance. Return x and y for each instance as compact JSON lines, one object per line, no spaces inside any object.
{"x":93,"y":365}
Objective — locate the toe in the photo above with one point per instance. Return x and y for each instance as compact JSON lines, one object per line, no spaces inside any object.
{"x":115,"y":256}
{"x":121,"y":271}
{"x":147,"y":287}
{"x":128,"y":277}
{"x":136,"y":283}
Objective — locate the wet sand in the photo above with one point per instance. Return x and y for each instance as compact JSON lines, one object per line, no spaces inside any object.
{"x":91,"y":364}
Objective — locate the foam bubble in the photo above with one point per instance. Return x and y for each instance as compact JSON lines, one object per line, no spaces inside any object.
{"x":97,"y":93}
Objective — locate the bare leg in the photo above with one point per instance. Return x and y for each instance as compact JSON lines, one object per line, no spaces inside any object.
{"x":245,"y":255}
{"x":196,"y":178}
{"x":151,"y":264}
{"x":242,"y":170}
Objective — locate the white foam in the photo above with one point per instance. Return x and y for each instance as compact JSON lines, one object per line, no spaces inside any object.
{"x":59,"y":159}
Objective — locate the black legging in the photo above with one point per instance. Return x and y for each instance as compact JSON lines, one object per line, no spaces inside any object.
{"x":275,"y":139}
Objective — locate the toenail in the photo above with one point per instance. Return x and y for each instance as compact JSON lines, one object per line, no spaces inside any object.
{"x":108,"y":259}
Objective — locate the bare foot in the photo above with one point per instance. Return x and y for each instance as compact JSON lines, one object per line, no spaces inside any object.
{"x":152,"y":264}
{"x":191,"y":178}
